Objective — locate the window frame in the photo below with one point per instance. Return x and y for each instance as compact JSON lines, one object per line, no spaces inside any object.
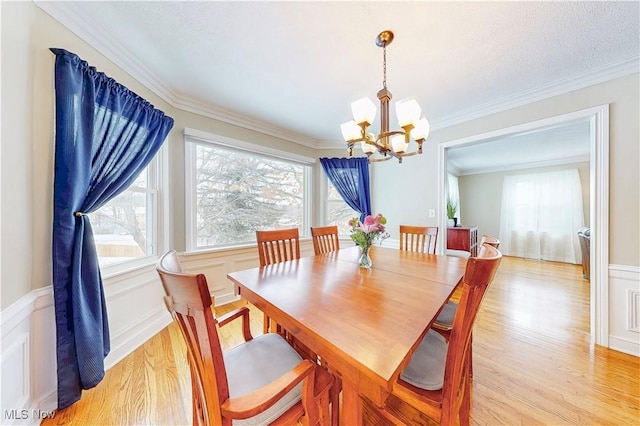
{"x":194,"y":138}
{"x":156,"y":184}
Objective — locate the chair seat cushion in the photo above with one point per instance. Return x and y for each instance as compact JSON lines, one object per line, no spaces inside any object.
{"x":459,"y":253}
{"x":257,"y":363}
{"x":426,"y":368}
{"x":445,"y":318}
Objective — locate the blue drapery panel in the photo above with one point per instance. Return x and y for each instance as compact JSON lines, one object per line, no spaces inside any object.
{"x":350,"y":176}
{"x":105,"y":136}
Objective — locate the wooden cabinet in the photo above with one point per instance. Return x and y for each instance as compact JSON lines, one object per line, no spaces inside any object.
{"x":463,"y":238}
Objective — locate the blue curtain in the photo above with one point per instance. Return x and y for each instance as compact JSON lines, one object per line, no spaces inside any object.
{"x":350,"y":176}
{"x":105,"y":136}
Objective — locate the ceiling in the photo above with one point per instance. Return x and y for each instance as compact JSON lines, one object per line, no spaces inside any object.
{"x":291,"y":69}
{"x":546,"y":146}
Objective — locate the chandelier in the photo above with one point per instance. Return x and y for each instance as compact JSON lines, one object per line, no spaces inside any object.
{"x":388,"y":143}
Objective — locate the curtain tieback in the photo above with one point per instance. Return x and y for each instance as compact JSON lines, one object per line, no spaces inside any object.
{"x":80,"y":214}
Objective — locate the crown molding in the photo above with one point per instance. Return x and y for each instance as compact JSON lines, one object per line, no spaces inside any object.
{"x":229,"y":117}
{"x":70,"y":16}
{"x":555,"y":88}
{"x":520,"y":166}
{"x":74,"y":19}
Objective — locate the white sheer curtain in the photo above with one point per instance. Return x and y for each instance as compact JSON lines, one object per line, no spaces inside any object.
{"x":453,"y":193}
{"x":541,"y":214}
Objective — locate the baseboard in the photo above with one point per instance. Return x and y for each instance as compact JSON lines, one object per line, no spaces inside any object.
{"x":624,"y":345}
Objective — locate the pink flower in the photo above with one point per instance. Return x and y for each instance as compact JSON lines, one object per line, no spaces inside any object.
{"x":369,"y":220}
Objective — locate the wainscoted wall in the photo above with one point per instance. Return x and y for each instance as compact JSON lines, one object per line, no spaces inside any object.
{"x":137,"y":312}
{"x":624,"y":314}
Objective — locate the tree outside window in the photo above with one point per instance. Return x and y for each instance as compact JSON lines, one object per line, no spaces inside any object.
{"x":238,"y":192}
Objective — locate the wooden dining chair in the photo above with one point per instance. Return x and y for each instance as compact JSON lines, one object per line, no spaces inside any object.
{"x":274,"y":247}
{"x":325,"y":239}
{"x":493,"y":241}
{"x":436,"y":382}
{"x":444,"y":322}
{"x":278,"y":246}
{"x":445,"y":319}
{"x":260,"y":381}
{"x":420,"y":239}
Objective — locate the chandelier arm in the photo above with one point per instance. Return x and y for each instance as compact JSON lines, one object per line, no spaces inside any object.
{"x":379,"y":160}
{"x":409,"y":154}
{"x":389,"y":133}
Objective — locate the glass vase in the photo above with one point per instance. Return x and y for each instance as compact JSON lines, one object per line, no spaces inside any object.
{"x":365,"y":260}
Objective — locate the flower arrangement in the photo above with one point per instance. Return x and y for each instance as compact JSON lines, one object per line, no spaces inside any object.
{"x":365,"y":232}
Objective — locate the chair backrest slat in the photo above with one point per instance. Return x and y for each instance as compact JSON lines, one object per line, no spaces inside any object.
{"x":278,"y":246}
{"x":422,"y":239}
{"x":325,"y":239}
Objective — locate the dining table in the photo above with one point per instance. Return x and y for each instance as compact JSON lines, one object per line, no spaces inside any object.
{"x":364,"y":324}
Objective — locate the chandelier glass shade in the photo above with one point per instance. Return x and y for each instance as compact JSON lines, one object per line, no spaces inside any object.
{"x":388,"y":143}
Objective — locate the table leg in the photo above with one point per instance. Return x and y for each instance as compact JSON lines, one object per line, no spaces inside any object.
{"x":351,"y":405}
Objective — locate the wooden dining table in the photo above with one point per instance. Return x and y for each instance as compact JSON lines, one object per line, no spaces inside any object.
{"x":364,"y":324}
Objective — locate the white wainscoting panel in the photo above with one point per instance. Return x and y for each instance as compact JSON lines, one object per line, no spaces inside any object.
{"x":136,"y":310}
{"x":624,"y":309}
{"x":43,"y":341}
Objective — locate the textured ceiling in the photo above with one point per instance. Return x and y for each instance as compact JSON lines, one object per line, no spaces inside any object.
{"x":292,"y":68}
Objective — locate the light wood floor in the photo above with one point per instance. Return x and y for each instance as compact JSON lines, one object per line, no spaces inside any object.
{"x":533,"y":364}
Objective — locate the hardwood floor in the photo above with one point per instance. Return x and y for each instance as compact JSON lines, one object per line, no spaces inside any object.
{"x":533,"y":363}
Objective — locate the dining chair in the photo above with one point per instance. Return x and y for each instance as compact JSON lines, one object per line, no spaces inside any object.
{"x":278,"y":246}
{"x":489,"y":240}
{"x":420,"y":239}
{"x":444,"y":321}
{"x":274,"y":247}
{"x":259,"y":381}
{"x":325,"y":239}
{"x":436,"y":381}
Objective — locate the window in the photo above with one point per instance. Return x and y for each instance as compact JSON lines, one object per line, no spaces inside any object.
{"x":338,"y":212}
{"x":233,"y":192}
{"x":124,"y":229}
{"x":541,"y":214}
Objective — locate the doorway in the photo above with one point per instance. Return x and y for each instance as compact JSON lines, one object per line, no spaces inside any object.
{"x":598,"y":121}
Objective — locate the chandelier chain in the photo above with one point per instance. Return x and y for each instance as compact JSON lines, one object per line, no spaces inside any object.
{"x":384,"y":66}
